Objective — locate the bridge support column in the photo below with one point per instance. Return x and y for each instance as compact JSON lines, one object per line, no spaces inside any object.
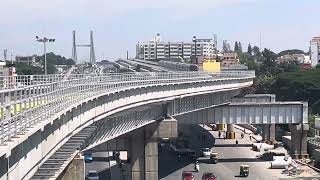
{"x":230,"y":132}
{"x":75,"y":170}
{"x":299,"y":140}
{"x":269,"y":132}
{"x":136,"y":154}
{"x":143,"y":149}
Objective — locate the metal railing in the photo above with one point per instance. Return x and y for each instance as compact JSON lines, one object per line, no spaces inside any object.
{"x":28,"y":100}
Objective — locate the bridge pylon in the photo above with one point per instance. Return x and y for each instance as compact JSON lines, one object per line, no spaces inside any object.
{"x":91,"y":46}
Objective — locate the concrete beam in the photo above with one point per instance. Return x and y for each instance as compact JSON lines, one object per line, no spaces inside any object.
{"x":249,"y":113}
{"x":166,"y":128}
{"x":257,"y":98}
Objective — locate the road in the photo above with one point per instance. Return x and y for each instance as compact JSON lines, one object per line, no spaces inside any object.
{"x":101,"y":164}
{"x":230,"y":159}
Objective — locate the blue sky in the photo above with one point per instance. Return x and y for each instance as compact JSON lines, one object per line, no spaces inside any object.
{"x":119,"y":25}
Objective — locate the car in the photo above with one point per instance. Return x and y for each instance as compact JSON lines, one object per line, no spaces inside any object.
{"x":206,"y":152}
{"x":187,"y":175}
{"x":93,"y":175}
{"x":208,"y":176}
{"x":88,"y":157}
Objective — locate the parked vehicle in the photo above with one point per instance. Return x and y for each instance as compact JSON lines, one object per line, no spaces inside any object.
{"x":208,"y":176}
{"x":187,"y":175}
{"x":93,"y":175}
{"x":88,"y":157}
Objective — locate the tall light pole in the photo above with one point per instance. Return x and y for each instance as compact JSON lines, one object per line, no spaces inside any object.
{"x":44,"y":41}
{"x":194,"y":39}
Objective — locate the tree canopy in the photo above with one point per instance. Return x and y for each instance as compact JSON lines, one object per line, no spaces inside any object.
{"x":236,"y":47}
{"x":249,"y":51}
{"x":52,"y":60}
{"x":299,"y":86}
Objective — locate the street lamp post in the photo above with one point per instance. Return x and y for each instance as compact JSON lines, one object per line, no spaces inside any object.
{"x":44,"y":41}
{"x":194,"y":39}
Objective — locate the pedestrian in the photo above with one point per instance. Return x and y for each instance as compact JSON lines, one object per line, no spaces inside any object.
{"x":250,"y":137}
{"x":242,"y":135}
{"x":219,"y":134}
{"x":237,"y":142}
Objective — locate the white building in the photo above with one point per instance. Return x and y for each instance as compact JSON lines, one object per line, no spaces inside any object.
{"x":315,"y":51}
{"x":160,"y":50}
{"x":4,"y":71}
{"x":207,"y":47}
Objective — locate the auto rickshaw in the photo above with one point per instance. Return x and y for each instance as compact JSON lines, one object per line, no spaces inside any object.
{"x":214,"y":157}
{"x":244,"y":170}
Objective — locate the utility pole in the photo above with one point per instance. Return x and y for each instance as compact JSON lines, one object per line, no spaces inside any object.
{"x":44,"y":41}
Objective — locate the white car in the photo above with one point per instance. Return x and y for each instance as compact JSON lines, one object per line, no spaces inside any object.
{"x":206,"y":152}
{"x":93,"y":175}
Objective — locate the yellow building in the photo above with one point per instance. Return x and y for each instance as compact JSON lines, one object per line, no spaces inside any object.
{"x":210,"y":65}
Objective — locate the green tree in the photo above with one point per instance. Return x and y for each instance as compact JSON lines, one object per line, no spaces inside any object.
{"x":26,"y":69}
{"x":239,"y":47}
{"x":299,"y":86}
{"x":248,"y":60}
{"x":226,"y":47}
{"x":236,"y":47}
{"x":269,"y":66}
{"x":256,"y":51}
{"x":249,"y":51}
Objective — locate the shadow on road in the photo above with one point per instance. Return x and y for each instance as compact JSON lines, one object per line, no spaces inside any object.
{"x":197,"y":138}
{"x":103,"y":159}
{"x":169,"y":163}
{"x":241,"y":160}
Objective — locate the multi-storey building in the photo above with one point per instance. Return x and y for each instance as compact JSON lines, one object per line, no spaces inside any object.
{"x":156,"y":50}
{"x":315,"y":51}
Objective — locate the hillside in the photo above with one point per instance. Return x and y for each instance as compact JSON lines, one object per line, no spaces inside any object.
{"x":299,"y":86}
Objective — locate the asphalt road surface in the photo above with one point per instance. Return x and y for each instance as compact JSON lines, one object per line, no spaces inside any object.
{"x":230,"y":159}
{"x":101,"y":163}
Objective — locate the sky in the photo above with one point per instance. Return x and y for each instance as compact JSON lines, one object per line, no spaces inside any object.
{"x":119,"y":24}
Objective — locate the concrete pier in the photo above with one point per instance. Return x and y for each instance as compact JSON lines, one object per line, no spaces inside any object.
{"x":299,"y":140}
{"x":230,"y":134}
{"x":268,"y":132}
{"x":143,"y":148}
{"x":75,"y":170}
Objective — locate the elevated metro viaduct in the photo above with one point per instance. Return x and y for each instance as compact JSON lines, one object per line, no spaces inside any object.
{"x":102,"y":117}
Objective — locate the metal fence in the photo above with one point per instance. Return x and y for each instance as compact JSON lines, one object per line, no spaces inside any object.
{"x":28,"y":100}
